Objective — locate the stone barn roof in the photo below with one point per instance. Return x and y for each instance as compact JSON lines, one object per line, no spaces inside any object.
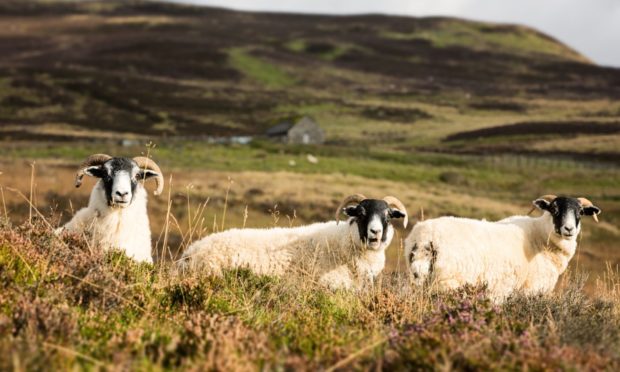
{"x":279,"y":129}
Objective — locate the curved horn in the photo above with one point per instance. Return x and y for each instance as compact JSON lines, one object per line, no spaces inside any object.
{"x":146,"y":163}
{"x":586,"y":203}
{"x":355,"y":198}
{"x":95,"y":159}
{"x":548,"y":197}
{"x":394,"y":202}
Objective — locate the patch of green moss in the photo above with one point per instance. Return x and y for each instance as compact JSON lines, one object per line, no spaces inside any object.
{"x":482,"y":36}
{"x":324,"y":51}
{"x":15,"y":268}
{"x":259,"y":70}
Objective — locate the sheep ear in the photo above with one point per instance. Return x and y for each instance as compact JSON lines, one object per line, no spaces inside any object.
{"x":95,"y":171}
{"x":541,"y":204}
{"x":145,"y":174}
{"x":350,"y":211}
{"x":593,"y":211}
{"x":395,"y":213}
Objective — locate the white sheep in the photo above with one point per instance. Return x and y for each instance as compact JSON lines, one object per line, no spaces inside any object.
{"x":345,"y":255}
{"x":518,"y":253}
{"x":116,"y":215}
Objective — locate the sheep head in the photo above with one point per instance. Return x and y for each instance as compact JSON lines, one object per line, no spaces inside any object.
{"x":120,"y":176}
{"x":566,"y":213}
{"x":372,"y":217}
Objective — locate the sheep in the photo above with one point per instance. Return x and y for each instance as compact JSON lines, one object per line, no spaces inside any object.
{"x":518,"y":253}
{"x":116,"y":215}
{"x":340,"y":256}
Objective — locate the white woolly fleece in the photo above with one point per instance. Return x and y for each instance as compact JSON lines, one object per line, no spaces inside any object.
{"x":127,"y":228}
{"x":330,"y":252}
{"x":518,"y":253}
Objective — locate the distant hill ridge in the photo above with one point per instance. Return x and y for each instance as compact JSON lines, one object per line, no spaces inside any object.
{"x":441,"y":31}
{"x":163,"y":68}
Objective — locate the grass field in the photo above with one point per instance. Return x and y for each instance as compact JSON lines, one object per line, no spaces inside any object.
{"x":261,"y":178}
{"x":453,"y":117}
{"x":65,"y":306}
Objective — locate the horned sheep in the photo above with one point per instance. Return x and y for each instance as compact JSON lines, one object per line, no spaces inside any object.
{"x":518,"y":253}
{"x":339,"y":255}
{"x":116,"y":215}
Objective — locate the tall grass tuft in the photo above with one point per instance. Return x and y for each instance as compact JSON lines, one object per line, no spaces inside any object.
{"x":65,"y":304}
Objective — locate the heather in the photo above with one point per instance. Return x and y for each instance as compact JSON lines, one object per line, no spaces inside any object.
{"x":65,"y":304}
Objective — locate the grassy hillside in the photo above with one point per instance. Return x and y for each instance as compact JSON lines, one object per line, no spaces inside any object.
{"x":65,"y":306}
{"x":453,"y":117}
{"x":159,"y":69}
{"x":441,"y":112}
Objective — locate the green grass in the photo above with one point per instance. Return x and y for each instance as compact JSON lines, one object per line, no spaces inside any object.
{"x":448,"y":33}
{"x":330,"y":54}
{"x":260,"y":70}
{"x":67,"y":306}
{"x":484,"y":174}
{"x":510,"y":180}
{"x":296,"y":45}
{"x":88,"y":310}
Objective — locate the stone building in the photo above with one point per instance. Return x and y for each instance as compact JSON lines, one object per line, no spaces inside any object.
{"x":305,"y":131}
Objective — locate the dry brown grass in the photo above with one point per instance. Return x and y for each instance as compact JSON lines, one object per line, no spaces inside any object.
{"x":64,"y":306}
{"x":66,"y":303}
{"x":204,"y":201}
{"x":609,"y":143}
{"x":280,"y":198}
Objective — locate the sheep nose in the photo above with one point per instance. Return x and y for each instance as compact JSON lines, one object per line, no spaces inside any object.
{"x":375,"y":231}
{"x":122,"y":194}
{"x":569,"y":229}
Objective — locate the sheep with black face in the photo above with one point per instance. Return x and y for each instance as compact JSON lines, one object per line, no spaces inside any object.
{"x":372,"y":218}
{"x":338,"y":255}
{"x":566,"y":213}
{"x":116,"y":215}
{"x":518,"y":253}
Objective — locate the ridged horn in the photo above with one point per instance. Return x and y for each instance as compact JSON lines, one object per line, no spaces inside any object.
{"x":95,"y":159}
{"x":393,"y":202}
{"x":355,"y":198}
{"x":146,"y":163}
{"x":586,"y":203}
{"x":548,"y":197}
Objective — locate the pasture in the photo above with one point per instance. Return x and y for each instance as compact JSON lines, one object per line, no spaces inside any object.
{"x":452,"y":117}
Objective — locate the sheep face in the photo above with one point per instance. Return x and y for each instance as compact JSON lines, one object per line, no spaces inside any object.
{"x":120,"y":177}
{"x":566,"y":214}
{"x":373,"y":220}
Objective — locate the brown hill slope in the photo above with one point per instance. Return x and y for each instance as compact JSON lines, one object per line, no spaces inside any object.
{"x":157,"y":68}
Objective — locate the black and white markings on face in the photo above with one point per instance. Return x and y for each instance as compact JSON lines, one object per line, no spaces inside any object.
{"x":373,"y":219}
{"x":120,"y":181}
{"x":566,"y":214}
